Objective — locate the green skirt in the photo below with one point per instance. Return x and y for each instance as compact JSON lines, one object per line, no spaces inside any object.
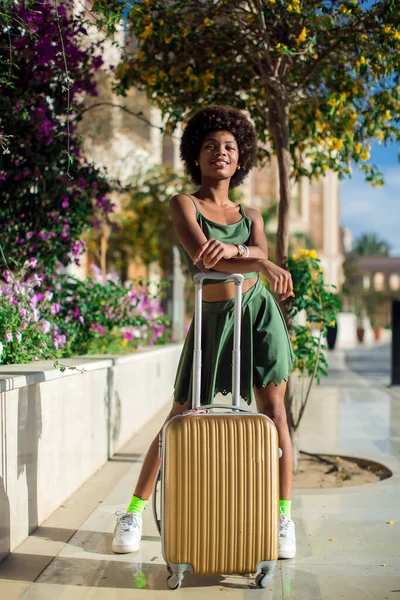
{"x":266,"y":351}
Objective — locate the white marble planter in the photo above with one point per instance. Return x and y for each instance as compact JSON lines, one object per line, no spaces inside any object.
{"x":57,"y":428}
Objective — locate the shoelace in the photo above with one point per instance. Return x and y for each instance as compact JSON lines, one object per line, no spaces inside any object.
{"x":127,"y":520}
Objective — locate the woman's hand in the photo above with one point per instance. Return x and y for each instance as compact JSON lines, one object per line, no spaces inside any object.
{"x":212,"y":251}
{"x":280,"y":280}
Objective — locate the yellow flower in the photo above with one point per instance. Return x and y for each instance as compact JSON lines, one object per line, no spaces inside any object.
{"x":313,"y":254}
{"x":272,"y":1}
{"x":380,"y":135}
{"x":388,"y":115}
{"x":364,"y":36}
{"x":278,"y":46}
{"x":337,"y":144}
{"x":290,"y":8}
{"x":319,"y":325}
{"x":308,"y":324}
{"x":207,"y":22}
{"x":363,"y":60}
{"x":332,"y":324}
{"x":365,"y":155}
{"x":344,"y":10}
{"x":396,"y":35}
{"x":294,"y":256}
{"x":147,"y":31}
{"x":302,"y":37}
{"x":121,"y":70}
{"x":294,"y":338}
{"x":358,"y":147}
{"x":295,"y":346}
{"x":387,"y":29}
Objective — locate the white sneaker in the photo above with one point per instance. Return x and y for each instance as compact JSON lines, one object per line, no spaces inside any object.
{"x":127,"y":532}
{"x":287,"y":538}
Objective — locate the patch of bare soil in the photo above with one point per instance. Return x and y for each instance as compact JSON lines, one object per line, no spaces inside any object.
{"x":327,"y":471}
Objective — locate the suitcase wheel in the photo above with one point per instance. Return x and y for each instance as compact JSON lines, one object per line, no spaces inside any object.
{"x":263,"y":579}
{"x":174,"y":581}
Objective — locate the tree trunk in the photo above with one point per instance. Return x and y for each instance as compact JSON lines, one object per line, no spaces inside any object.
{"x":279,"y":128}
{"x":294,"y":435}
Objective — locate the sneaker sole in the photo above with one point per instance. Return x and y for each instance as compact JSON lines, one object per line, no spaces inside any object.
{"x":125,"y":549}
{"x":289,"y":554}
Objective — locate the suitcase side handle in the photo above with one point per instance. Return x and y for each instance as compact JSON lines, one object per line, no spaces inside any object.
{"x":198,"y":278}
{"x":198,"y":281}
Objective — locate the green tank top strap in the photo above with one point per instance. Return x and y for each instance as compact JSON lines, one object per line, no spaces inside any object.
{"x":194,"y":202}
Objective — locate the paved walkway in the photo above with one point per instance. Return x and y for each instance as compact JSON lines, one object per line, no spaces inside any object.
{"x":69,"y":556}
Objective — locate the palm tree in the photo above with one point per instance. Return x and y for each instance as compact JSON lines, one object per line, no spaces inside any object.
{"x":369,"y":244}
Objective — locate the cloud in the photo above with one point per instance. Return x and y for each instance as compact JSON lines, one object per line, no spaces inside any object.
{"x":376,"y":210}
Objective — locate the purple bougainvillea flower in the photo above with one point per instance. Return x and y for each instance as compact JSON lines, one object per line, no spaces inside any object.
{"x":128,"y":336}
{"x":77,"y":312}
{"x":55,"y":309}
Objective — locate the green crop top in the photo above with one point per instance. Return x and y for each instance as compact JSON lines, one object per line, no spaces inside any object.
{"x":235,"y":233}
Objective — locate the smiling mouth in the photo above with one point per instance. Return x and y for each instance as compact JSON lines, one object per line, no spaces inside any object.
{"x":219,"y":163}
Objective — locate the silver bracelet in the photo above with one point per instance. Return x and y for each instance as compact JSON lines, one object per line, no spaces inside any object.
{"x":247,"y":252}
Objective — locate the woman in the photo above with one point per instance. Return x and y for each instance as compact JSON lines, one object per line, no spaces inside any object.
{"x":219,"y":148}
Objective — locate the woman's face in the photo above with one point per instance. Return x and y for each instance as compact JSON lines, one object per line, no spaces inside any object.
{"x":219,"y":155}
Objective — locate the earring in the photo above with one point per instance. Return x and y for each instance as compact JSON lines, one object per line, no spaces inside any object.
{"x":196,"y":163}
{"x":238,"y":169}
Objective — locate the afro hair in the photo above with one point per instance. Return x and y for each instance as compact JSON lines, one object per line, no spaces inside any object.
{"x":219,"y":118}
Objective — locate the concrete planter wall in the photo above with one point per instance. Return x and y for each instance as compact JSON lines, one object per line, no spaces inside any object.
{"x":57,"y":428}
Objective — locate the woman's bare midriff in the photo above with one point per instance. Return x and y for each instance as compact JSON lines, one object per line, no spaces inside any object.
{"x":219,"y":292}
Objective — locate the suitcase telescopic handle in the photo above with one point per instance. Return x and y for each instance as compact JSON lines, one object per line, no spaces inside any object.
{"x":198,"y":281}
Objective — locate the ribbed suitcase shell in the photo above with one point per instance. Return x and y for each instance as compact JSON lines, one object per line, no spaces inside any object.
{"x":220,"y":492}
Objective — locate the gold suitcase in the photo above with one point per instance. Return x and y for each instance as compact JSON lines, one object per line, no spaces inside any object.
{"x":219,"y":480}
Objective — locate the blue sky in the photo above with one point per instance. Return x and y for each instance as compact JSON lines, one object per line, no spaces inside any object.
{"x":365,"y":209}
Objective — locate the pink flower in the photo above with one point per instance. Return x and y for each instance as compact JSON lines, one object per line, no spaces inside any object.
{"x":45,"y":326}
{"x":9,"y":337}
{"x":23,"y":312}
{"x":18,"y":335}
{"x":6,"y":275}
{"x":100,"y":328}
{"x":77,"y":313}
{"x":55,"y":309}
{"x":128,"y":336}
{"x":65,"y":203}
{"x":32,"y":263}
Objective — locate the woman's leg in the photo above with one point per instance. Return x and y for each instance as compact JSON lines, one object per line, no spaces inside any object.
{"x":148,"y":472}
{"x":271,"y":402}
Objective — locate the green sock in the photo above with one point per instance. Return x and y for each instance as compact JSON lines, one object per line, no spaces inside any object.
{"x":137,"y":505}
{"x":285,"y":508}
